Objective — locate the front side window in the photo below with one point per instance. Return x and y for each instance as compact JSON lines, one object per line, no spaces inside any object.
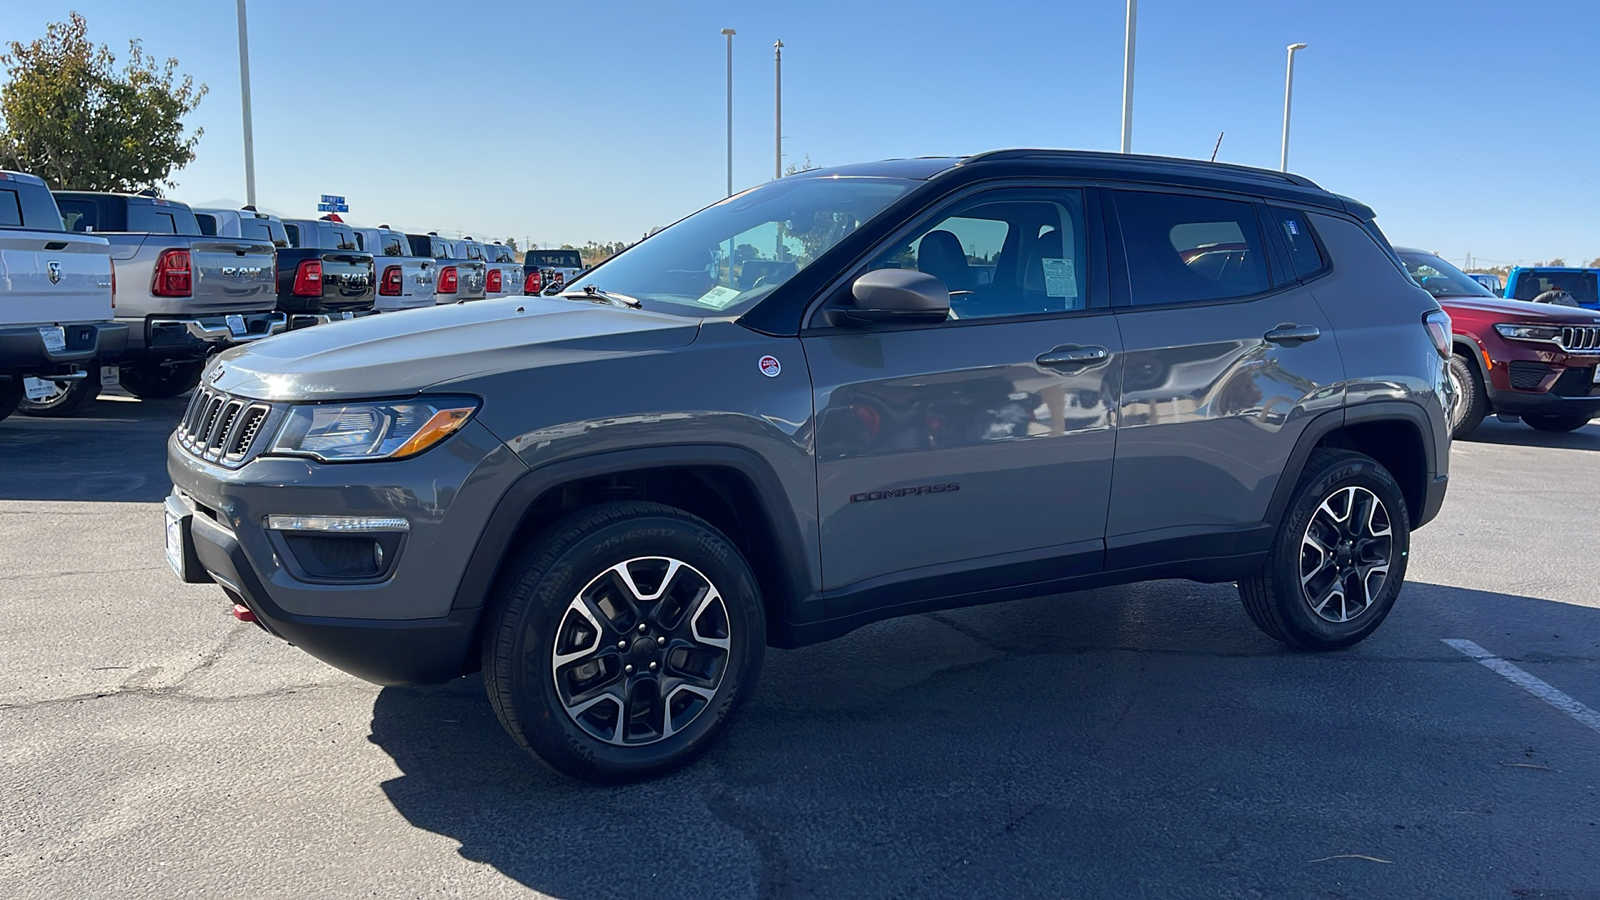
{"x":1005,"y":253}
{"x":1439,"y":278}
{"x":1189,"y":249}
{"x":727,"y":257}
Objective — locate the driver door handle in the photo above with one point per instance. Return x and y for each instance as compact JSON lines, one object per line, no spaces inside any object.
{"x":1292,"y":335}
{"x":1072,"y":357}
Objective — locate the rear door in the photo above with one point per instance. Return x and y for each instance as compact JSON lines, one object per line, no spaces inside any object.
{"x":976,"y":451}
{"x":1227,"y":357}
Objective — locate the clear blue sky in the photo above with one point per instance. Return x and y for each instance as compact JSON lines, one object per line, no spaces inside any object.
{"x":1462,"y":122}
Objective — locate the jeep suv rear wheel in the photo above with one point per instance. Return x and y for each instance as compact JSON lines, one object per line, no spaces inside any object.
{"x":1339,"y":559}
{"x":621,"y":640}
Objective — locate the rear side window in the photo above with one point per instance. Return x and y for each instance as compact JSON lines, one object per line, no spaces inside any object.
{"x":79,"y":215}
{"x":1297,"y":236}
{"x":1190,"y":249}
{"x":344,"y":240}
{"x":293,"y":231}
{"x":208,"y":224}
{"x":146,"y":219}
{"x":10,"y":209}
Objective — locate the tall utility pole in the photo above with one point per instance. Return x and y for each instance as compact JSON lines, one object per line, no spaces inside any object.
{"x":1127,"y":79}
{"x":1288,"y":98}
{"x":777,"y":109}
{"x":244,"y":95}
{"x":729,"y":32}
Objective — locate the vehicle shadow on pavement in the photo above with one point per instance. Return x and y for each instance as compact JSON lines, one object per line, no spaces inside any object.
{"x":1143,"y":740}
{"x":115,"y":450}
{"x":1516,"y":434}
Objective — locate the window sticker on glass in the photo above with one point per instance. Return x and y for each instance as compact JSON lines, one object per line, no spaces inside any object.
{"x":719,"y":297}
{"x":1290,"y":224}
{"x":1060,"y":278}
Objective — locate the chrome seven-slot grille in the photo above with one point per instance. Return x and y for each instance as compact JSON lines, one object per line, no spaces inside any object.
{"x":221,"y":428}
{"x":1581,"y":338}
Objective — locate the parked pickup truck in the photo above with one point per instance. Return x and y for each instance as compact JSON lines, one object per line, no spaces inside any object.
{"x":405,"y":280}
{"x":459,"y":278}
{"x":182,"y":294}
{"x":247,"y":223}
{"x":545,"y":269}
{"x":323,"y":275}
{"x":503,"y":273}
{"x":55,"y":296}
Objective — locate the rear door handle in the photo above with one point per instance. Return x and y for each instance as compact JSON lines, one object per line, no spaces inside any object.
{"x":1072,"y":356}
{"x":1292,"y":335}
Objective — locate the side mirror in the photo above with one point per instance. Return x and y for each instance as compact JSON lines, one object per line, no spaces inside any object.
{"x":897,"y":295}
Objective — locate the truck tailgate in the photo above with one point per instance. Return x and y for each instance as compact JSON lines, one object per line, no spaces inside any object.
{"x":232,"y":275}
{"x":346,"y":281}
{"x":49,"y":277}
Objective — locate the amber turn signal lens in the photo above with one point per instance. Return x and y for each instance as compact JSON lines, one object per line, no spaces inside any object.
{"x":443,"y":424}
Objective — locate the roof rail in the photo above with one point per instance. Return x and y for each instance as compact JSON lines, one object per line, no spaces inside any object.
{"x":1142,"y":159}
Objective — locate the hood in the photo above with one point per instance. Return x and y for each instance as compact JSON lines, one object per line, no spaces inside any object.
{"x":400,"y":353}
{"x":1523,"y":310}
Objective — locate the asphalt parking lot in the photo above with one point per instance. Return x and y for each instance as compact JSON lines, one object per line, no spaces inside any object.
{"x":1140,"y":741}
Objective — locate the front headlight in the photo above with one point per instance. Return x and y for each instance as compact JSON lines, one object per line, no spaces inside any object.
{"x":340,"y":432}
{"x":1544,"y":334}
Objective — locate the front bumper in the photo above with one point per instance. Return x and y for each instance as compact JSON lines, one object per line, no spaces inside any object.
{"x":397,"y":629}
{"x":24,"y":350}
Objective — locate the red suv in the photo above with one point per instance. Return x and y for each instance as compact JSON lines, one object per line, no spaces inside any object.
{"x":1513,"y":357}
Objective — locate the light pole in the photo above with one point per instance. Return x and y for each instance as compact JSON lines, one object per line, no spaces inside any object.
{"x":244,"y":95}
{"x":1288,"y":97}
{"x":729,"y":32}
{"x":777,"y":109}
{"x":1127,"y":79}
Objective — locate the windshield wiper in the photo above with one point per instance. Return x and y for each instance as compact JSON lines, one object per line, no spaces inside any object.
{"x":595,"y":295}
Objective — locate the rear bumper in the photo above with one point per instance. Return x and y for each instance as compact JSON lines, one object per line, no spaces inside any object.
{"x":306,"y":320}
{"x":23,"y":350}
{"x":194,"y":337}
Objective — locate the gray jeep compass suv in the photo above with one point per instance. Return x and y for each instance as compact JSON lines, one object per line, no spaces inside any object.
{"x":849,"y":394}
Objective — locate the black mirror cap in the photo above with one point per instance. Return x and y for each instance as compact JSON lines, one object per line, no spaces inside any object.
{"x":898,"y":295}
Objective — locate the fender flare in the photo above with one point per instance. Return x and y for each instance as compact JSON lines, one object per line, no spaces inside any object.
{"x":494,"y":544}
{"x":1335,"y":419}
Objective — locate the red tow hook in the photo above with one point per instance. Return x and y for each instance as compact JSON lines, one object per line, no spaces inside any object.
{"x":243,"y":613}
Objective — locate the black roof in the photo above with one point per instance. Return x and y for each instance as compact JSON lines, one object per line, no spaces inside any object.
{"x":1108,"y":166}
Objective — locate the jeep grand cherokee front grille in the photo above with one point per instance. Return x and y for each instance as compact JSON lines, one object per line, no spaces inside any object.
{"x":222,"y":428}
{"x":1580,"y":338}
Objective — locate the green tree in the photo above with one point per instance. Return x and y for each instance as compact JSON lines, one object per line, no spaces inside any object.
{"x":73,"y":119}
{"x":1558,"y":262}
{"x":512,"y":243}
{"x":795,"y":168}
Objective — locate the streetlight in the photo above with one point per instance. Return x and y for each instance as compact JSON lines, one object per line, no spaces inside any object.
{"x":1288,"y":96}
{"x":244,"y":95}
{"x":1127,"y":79}
{"x":729,"y":32}
{"x":777,"y":109}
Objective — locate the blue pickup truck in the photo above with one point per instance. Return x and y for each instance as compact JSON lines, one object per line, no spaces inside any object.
{"x":1528,"y":282}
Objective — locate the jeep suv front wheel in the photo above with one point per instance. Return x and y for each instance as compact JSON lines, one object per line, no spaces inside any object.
{"x":1339,"y":558}
{"x":621,"y":640}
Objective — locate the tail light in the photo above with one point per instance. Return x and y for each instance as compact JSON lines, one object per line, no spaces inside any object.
{"x":496,"y":282}
{"x":533,"y":284}
{"x":391,"y":284}
{"x":1439,"y":331}
{"x":448,"y":282}
{"x":174,"y":277}
{"x":558,"y":279}
{"x":308,"y":278}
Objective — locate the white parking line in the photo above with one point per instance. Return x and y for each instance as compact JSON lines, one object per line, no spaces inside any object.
{"x":1535,"y":686}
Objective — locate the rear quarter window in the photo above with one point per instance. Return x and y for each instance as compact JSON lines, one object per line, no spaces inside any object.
{"x":1295,"y":231}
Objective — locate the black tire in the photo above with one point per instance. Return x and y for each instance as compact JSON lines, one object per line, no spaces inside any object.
{"x":1555,"y":423}
{"x":534,"y":611}
{"x":10,"y":395}
{"x":153,"y":381}
{"x":1473,"y":405}
{"x":68,"y":402}
{"x":1275,"y":599}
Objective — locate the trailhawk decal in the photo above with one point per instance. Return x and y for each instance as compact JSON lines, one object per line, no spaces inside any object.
{"x":916,"y":491}
{"x":770,"y":366}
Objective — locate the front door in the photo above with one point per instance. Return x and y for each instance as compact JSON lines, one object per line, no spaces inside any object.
{"x":1226,"y":359}
{"x":976,"y":452}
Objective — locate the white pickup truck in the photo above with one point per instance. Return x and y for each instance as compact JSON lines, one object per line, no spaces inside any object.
{"x":504,"y":275}
{"x":55,"y":296}
{"x":405,"y":281}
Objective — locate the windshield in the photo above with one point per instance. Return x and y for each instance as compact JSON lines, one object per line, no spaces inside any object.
{"x":1441,"y":279}
{"x":724,"y":258}
{"x":1581,"y":285}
